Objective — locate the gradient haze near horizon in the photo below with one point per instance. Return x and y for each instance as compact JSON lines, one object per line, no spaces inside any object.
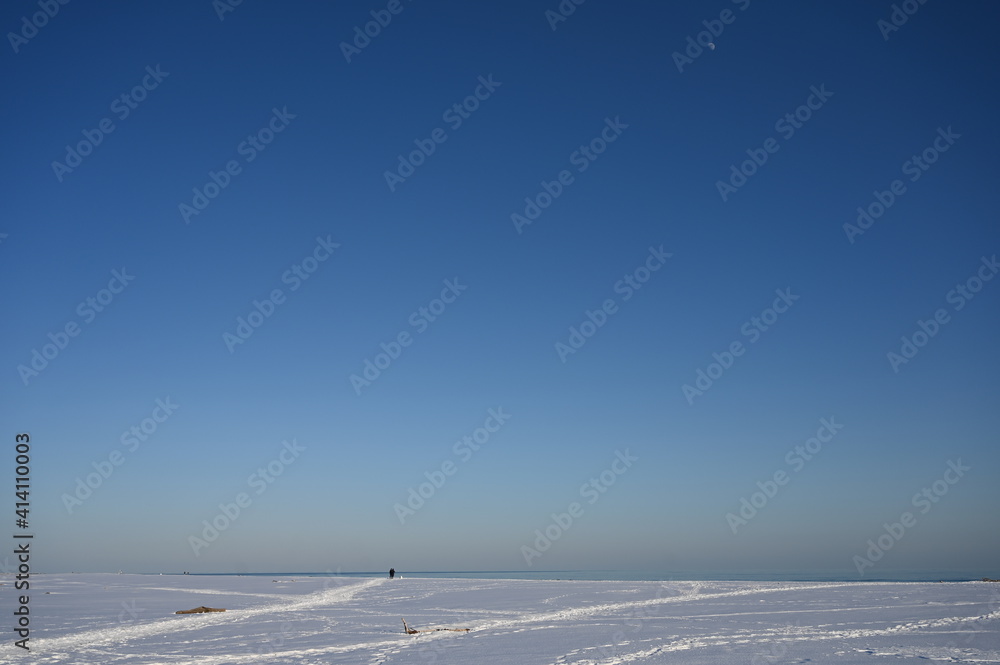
{"x":494,"y":347}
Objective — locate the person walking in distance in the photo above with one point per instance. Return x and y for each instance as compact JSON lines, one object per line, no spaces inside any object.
{"x":392,"y":573}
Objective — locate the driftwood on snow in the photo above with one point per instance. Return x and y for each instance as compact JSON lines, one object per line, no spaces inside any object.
{"x":200,"y":610}
{"x":411,"y":631}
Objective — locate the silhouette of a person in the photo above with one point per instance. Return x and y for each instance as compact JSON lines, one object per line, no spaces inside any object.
{"x":392,"y":573}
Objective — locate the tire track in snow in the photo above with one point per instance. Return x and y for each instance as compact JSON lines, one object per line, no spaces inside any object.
{"x":174,"y":624}
{"x":737,"y":638}
{"x":580,"y":612}
{"x":790,"y":634}
{"x":520,"y":622}
{"x":216,"y":592}
{"x":383,"y":650}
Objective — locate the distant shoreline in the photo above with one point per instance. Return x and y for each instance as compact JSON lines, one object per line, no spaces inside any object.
{"x":620,"y":576}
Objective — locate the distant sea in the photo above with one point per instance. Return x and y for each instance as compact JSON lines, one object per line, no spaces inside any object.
{"x":630,"y":576}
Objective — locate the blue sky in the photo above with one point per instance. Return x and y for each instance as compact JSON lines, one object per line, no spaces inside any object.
{"x":314,"y":197}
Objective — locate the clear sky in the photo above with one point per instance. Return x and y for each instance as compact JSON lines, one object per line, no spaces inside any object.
{"x":613,"y":258}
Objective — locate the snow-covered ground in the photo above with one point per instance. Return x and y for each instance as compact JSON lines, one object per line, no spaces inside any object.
{"x":111,"y":619}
